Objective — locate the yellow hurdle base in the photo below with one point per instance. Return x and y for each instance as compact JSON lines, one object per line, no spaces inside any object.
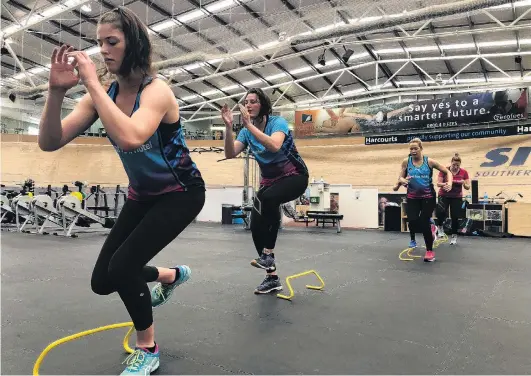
{"x":83,"y":334}
{"x":288,"y":283}
{"x":411,"y":257}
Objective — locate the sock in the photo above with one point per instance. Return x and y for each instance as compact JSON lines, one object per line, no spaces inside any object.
{"x":273,"y":276}
{"x":177,"y":274}
{"x":152,"y":349}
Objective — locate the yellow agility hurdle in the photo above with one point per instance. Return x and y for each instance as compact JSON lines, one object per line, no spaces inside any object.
{"x":83,"y":334}
{"x":411,"y":257}
{"x":289,"y":278}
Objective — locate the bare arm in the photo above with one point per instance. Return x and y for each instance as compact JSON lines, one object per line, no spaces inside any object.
{"x":466,"y":184}
{"x":449,"y":177}
{"x":232,"y":147}
{"x":440,"y":181}
{"x":55,"y":133}
{"x":272,"y":143}
{"x":402,"y":176}
{"x":129,"y":133}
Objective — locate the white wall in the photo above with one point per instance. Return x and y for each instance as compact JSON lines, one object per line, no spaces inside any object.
{"x":358,"y":206}
{"x":215,"y":197}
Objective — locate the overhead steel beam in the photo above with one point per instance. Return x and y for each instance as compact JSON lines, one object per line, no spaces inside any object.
{"x":246,"y":40}
{"x":15,"y":29}
{"x":391,"y":92}
{"x":404,"y":61}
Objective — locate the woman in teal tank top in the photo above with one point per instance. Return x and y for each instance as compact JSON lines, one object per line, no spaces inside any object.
{"x":416,"y":174}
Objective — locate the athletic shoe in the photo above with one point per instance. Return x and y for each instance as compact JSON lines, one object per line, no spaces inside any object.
{"x":440,"y":232}
{"x":162,"y":292}
{"x":142,"y":362}
{"x":413,"y":244}
{"x":430,"y":256}
{"x":268,"y":285}
{"x":453,"y":241}
{"x":266,"y":261}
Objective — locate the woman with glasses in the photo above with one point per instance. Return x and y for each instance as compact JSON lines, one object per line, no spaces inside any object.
{"x":284,"y":175}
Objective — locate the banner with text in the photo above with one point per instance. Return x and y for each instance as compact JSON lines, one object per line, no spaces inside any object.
{"x":509,"y":130}
{"x":498,"y":106}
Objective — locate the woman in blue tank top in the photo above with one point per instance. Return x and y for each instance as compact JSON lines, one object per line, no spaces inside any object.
{"x":166,"y":192}
{"x":416,"y":174}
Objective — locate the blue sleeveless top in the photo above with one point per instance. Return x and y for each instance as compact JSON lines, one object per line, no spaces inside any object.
{"x":421,"y":184}
{"x":162,"y":164}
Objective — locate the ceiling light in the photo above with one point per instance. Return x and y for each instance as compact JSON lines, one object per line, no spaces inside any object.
{"x":86,"y":8}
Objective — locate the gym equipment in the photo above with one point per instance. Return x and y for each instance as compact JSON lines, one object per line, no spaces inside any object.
{"x":96,"y":191}
{"x":21,"y":205}
{"x":251,"y":185}
{"x":15,"y":206}
{"x":72,"y":337}
{"x":43,"y":211}
{"x":289,"y":278}
{"x":290,"y":212}
{"x":71,"y":210}
{"x":7,"y":213}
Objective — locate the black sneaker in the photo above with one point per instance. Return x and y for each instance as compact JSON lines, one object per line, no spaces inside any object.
{"x":266,"y":262}
{"x":269,"y":284}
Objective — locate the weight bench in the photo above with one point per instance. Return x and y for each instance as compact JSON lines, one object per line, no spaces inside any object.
{"x":325,"y":217}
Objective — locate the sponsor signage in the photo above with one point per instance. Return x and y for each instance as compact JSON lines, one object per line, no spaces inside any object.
{"x":511,"y":130}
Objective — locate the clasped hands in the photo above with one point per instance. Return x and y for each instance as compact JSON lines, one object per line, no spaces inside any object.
{"x":228,"y":117}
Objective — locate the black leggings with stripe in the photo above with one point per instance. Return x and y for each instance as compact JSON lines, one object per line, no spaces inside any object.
{"x":142,"y":230}
{"x":265,"y":224}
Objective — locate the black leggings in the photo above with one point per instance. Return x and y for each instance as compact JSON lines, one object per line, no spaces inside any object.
{"x":265,"y":225}
{"x":454,"y":203}
{"x":419,"y":212}
{"x":142,"y":230}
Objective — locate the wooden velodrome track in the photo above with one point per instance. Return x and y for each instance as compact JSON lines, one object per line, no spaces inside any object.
{"x":337,"y":160}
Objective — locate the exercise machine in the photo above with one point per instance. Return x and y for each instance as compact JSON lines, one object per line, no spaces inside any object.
{"x":71,"y":210}
{"x":251,"y":185}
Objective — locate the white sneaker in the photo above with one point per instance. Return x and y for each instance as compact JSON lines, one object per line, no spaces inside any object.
{"x":453,"y":241}
{"x":440,"y":232}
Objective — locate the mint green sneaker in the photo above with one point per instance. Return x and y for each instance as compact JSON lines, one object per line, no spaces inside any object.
{"x":162,"y":292}
{"x":142,"y":362}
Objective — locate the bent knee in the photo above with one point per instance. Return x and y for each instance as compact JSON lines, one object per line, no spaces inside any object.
{"x":101,"y":286}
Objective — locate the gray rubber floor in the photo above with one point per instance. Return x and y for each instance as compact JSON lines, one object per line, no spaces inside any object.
{"x":467,"y":313}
